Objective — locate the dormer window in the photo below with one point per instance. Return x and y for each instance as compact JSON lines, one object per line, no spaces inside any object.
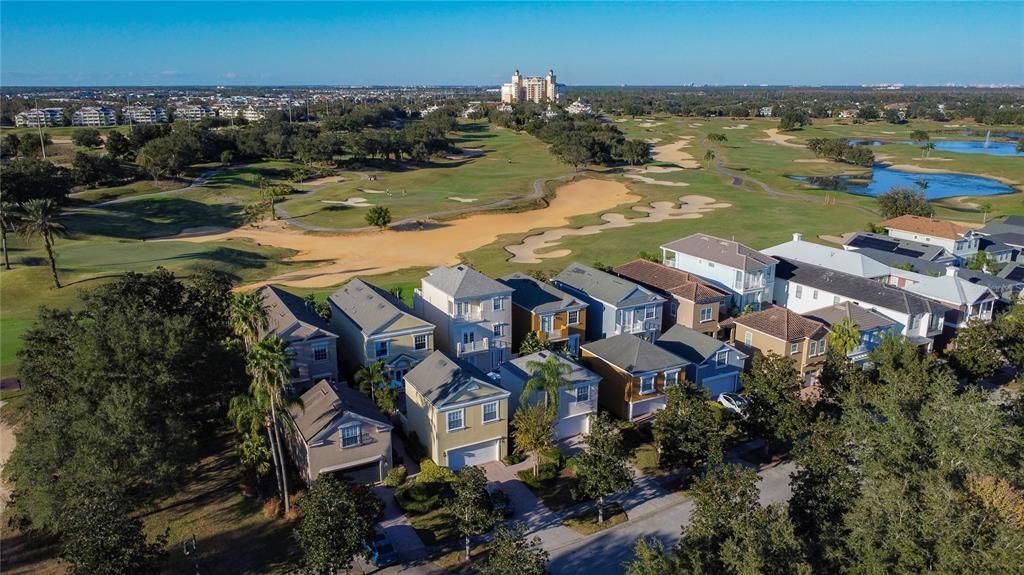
{"x":350,"y":436}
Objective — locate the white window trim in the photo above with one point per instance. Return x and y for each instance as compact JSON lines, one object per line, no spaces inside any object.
{"x":650,"y":312}
{"x":653,"y":386}
{"x":344,"y":428}
{"x":387,"y":348}
{"x":794,"y":348}
{"x":497,"y":412}
{"x":550,"y":317}
{"x":576,"y":392}
{"x":498,"y":303}
{"x":748,"y":339}
{"x":448,"y":422}
{"x":798,"y":293}
{"x":415,"y":342}
{"x":674,"y":373}
{"x":720,"y":363}
{"x":710,"y":313}
{"x":321,"y":346}
{"x":568,"y":317}
{"x":813,"y":349}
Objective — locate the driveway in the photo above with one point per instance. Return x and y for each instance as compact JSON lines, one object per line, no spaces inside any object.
{"x":527,"y":508}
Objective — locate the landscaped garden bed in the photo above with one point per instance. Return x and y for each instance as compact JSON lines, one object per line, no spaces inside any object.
{"x":586,"y":523}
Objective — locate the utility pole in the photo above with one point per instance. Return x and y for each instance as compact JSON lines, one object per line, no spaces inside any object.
{"x":128,"y":104}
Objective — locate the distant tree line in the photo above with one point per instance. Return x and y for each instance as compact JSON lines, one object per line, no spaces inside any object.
{"x":841,"y":150}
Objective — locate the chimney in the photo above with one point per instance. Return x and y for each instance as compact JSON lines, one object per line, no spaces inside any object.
{"x":797,"y":236}
{"x":951,"y":271}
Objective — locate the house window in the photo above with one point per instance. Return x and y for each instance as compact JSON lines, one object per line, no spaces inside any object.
{"x":455,"y":420}
{"x":547,"y":322}
{"x":705,"y":314}
{"x":582,"y":393}
{"x":915,"y":321}
{"x":814,"y":349}
{"x":380,"y":349}
{"x":350,"y":436}
{"x":799,"y":291}
{"x":794,"y":348}
{"x":420,"y":342}
{"x":721,"y":358}
{"x":468,"y":336}
{"x":574,"y":317}
{"x":835,"y":300}
{"x":671,"y":378}
{"x":490,"y":412}
{"x":646,"y":384}
{"x":748,"y":338}
{"x":814,"y":294}
{"x":499,"y":329}
{"x":650,"y":311}
{"x":821,"y":347}
{"x":739,"y":279}
{"x":320,"y":352}
{"x":498,"y":303}
{"x":462,"y":308}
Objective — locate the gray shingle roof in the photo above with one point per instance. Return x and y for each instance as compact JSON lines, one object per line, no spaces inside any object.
{"x":324,"y":403}
{"x":578,"y":373}
{"x":634,"y":355}
{"x":864,"y":318}
{"x":289,"y":316}
{"x":893,"y":259}
{"x":537,"y":296}
{"x":854,"y":287}
{"x":462,"y":281}
{"x":372,"y":309}
{"x":882,"y":242}
{"x":439,"y":377}
{"x":605,"y":287}
{"x":725,"y":252}
{"x":1015,"y":239}
{"x":690,"y":345}
{"x":1013,"y":271}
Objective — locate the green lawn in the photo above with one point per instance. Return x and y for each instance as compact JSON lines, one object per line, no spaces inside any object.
{"x":586,"y":522}
{"x":133,"y":189}
{"x":553,"y":486}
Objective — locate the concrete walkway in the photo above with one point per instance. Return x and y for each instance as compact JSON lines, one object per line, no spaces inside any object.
{"x":527,"y":508}
{"x":396,"y":526}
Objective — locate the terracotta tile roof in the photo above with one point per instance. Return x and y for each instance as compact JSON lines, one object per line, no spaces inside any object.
{"x":927,"y":226}
{"x":670,"y":280}
{"x":779,"y":323}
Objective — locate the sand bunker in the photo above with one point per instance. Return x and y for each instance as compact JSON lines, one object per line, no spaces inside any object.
{"x":776,"y":138}
{"x":652,"y":140}
{"x":648,"y":180}
{"x":351,"y":202}
{"x":736,"y":127}
{"x":812,"y":161}
{"x":673,"y":154}
{"x":690,"y":207}
{"x":696,"y":125}
{"x":649,"y":124}
{"x":369,"y":191}
{"x":463,"y":200}
{"x":464,"y":154}
{"x":367,"y":253}
{"x":936,"y":159}
{"x":324,"y":180}
{"x":659,"y":169}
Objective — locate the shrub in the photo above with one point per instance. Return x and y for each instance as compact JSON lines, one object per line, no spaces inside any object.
{"x":513,"y":458}
{"x":299,"y":175}
{"x":395,"y":477}
{"x":430,"y":472}
{"x":545,"y":473}
{"x":293,"y":515}
{"x":272,"y":507}
{"x":417,"y":498}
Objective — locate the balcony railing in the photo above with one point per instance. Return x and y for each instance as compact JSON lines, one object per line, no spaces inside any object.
{"x":637,"y":326}
{"x":473,"y":346}
{"x":579,"y":407}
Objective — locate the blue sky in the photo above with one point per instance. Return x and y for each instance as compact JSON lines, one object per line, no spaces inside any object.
{"x":158,"y":43}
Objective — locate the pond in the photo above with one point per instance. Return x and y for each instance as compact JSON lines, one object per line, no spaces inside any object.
{"x":958,"y":146}
{"x":884,"y":178}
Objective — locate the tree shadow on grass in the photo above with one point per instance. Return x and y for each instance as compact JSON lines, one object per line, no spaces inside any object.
{"x":151,"y":218}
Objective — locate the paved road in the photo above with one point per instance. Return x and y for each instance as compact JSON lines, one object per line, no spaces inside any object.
{"x":604,"y":554}
{"x":197,"y":182}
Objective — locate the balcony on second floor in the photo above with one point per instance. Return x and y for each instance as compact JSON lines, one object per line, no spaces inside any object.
{"x":640,"y":326}
{"x":580,"y":407}
{"x":473,"y":346}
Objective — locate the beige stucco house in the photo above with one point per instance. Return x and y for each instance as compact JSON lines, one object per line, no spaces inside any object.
{"x":372,"y":325}
{"x":458,"y":415}
{"x":778,"y":330}
{"x":337,"y":430}
{"x":312,"y":345}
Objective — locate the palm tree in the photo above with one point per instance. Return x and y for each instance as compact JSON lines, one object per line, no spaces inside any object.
{"x":268,"y":365}
{"x":6,"y":218}
{"x":250,"y":419}
{"x":372,"y":378}
{"x":929,"y":147}
{"x":549,"y":376}
{"x":38,"y":217}
{"x":709,"y":156}
{"x":249,"y":316}
{"x":845,"y":336}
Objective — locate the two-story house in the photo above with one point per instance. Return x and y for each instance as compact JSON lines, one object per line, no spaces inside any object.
{"x":337,"y":430}
{"x":778,"y":330}
{"x":957,"y":239}
{"x":457,"y":413}
{"x":555,"y":316}
{"x":873,"y":326}
{"x":805,"y":287}
{"x":714,"y":364}
{"x":577,"y":400}
{"x":312,"y":345}
{"x":472,"y":314}
{"x":848,"y":261}
{"x":747,"y":274}
{"x":372,"y":325}
{"x":634,"y":374}
{"x":907,"y":248}
{"x":689,"y":300}
{"x":614,"y":305}
{"x":967,"y":300}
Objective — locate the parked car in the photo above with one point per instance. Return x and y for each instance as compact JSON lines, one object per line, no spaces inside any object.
{"x":734,"y":402}
{"x":382,"y":552}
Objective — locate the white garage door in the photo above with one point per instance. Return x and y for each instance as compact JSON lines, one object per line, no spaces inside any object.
{"x":721,"y":384}
{"x":473,"y":454}
{"x":572,"y":426}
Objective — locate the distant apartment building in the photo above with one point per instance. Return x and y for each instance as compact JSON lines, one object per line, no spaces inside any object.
{"x":94,"y":116}
{"x":193,"y":112}
{"x":537,"y":89}
{"x":143,"y":115}
{"x":37,"y":117}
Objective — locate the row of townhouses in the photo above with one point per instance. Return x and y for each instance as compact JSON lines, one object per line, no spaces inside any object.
{"x":136,"y":114}
{"x":624,"y":336}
